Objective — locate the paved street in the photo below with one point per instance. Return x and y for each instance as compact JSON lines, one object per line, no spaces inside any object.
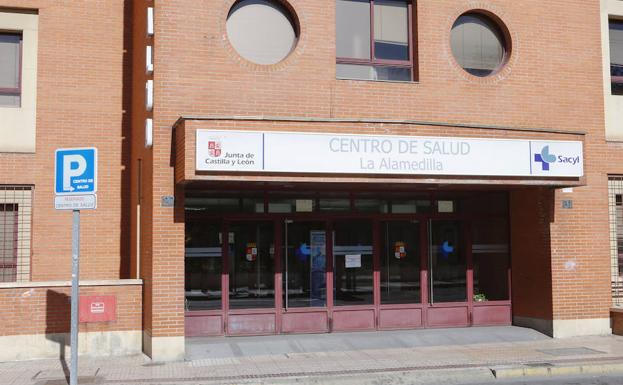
{"x":445,"y":356}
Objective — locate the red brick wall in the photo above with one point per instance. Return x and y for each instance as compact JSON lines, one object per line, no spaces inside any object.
{"x":84,"y":85}
{"x":207,"y":76}
{"x":82,"y":67}
{"x":46,"y":310}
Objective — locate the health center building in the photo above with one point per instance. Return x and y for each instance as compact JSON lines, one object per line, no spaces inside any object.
{"x":289,"y":166}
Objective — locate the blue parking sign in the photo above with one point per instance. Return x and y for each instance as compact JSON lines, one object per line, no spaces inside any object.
{"x":76,"y":171}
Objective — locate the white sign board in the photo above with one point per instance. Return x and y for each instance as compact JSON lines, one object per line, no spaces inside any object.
{"x":75,"y":202}
{"x":286,"y":152}
{"x":352,"y":261}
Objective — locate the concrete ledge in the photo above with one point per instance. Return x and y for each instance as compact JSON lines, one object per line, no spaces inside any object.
{"x":103,"y":282}
{"x":164,"y":349}
{"x":581,"y":327}
{"x":546,"y":371}
{"x":92,"y":344}
{"x":566,"y":328}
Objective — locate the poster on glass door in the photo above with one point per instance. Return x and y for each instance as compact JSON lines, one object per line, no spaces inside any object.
{"x":318,"y":261}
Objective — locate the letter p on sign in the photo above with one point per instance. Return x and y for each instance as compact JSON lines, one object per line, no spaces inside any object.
{"x":73,"y":166}
{"x":76,"y":171}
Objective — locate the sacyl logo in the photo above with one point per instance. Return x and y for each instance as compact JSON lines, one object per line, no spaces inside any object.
{"x":546,"y":159}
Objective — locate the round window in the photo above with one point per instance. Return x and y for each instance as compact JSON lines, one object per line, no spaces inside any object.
{"x":478,"y":44}
{"x":261,"y":31}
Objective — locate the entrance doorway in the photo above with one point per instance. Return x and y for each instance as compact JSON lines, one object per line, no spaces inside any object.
{"x":304,"y":277}
{"x":318,"y":272}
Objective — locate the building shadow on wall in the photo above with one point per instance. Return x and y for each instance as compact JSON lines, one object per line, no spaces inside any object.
{"x":58,"y":324}
{"x":126,"y":146}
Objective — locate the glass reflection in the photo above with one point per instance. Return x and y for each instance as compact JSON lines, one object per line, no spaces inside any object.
{"x":203,"y":264}
{"x":251,"y":265}
{"x":400,"y":262}
{"x":491,"y":259}
{"x":447,"y":264}
{"x":305,"y":262}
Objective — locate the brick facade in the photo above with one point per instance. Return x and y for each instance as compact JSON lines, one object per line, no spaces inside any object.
{"x":81,"y":102}
{"x":91,"y":89}
{"x":562,"y":253}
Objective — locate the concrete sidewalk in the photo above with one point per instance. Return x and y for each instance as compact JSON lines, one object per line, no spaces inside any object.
{"x":454,"y":355}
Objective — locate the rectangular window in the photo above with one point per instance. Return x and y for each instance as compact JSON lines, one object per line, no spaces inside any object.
{"x":10,"y":69}
{"x":374,"y":40}
{"x":15,"y":225}
{"x":8,"y":243}
{"x":616,"y":56}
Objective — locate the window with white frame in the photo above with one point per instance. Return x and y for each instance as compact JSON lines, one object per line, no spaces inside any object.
{"x":19,"y":30}
{"x":10,"y":69}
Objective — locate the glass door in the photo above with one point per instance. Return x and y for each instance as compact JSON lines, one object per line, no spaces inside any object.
{"x":447,"y":263}
{"x":304,"y":264}
{"x":353,"y":264}
{"x":447,"y":275}
{"x":251,"y":265}
{"x":203,"y":266}
{"x":401,"y":275}
{"x":354,"y":279}
{"x":400,"y":262}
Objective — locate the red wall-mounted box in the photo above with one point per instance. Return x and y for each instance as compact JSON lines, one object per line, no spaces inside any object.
{"x":98,"y":308}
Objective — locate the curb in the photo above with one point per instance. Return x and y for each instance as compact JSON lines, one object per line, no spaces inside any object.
{"x":550,"y":370}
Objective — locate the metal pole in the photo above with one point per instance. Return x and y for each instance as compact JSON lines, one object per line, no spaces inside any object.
{"x":75,"y":272}
{"x":430,"y":261}
{"x":286,"y":222}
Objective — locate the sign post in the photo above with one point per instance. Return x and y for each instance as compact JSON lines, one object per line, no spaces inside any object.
{"x":75,"y":277}
{"x":75,"y":188}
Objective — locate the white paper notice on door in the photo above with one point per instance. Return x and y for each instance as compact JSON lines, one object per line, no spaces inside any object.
{"x":352,"y":261}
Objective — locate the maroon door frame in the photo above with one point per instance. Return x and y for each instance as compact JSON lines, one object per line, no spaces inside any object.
{"x":363,"y":317}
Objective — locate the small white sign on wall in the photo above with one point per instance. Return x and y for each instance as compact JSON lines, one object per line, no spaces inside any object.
{"x":304,"y":205}
{"x":352,"y":261}
{"x":445,"y":206}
